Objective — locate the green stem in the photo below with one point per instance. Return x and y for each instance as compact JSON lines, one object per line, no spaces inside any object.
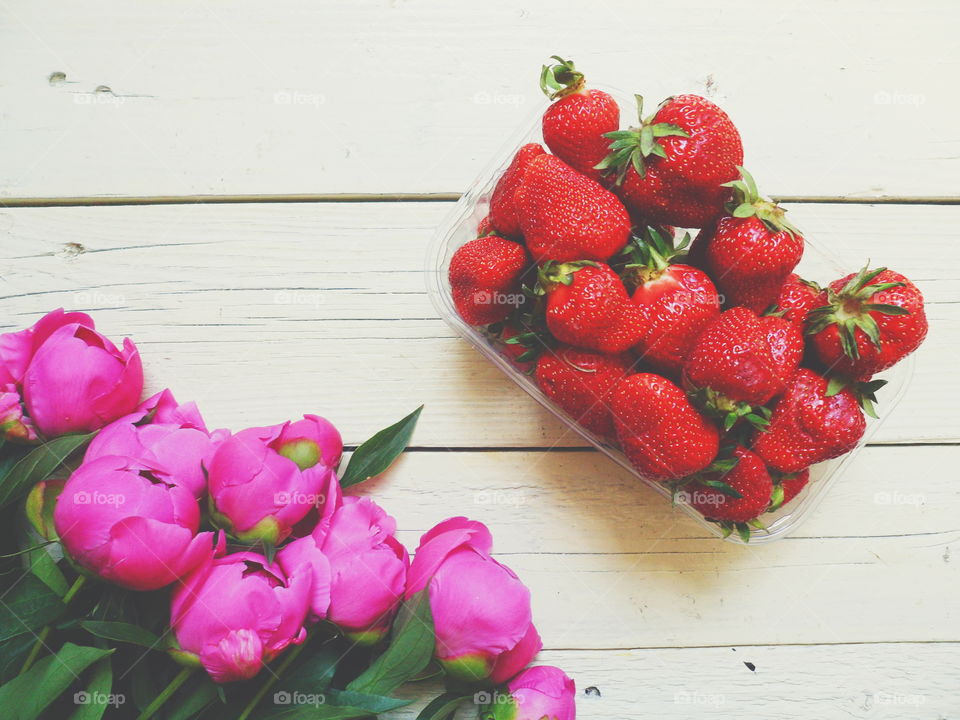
{"x":291,"y":656}
{"x":45,"y":633}
{"x":160,"y":699}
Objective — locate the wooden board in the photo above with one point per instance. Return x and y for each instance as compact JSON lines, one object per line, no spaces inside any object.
{"x":322,"y":308}
{"x":113,"y":98}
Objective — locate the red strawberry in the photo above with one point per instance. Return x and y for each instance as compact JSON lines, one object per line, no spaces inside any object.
{"x":733,"y":366}
{"x":566,"y":216}
{"x":750,"y":252}
{"x":786,"y":346}
{"x":867,"y":322}
{"x":677,"y":302}
{"x":581,"y":382}
{"x":672,"y":169}
{"x":737,"y":496}
{"x":503,"y":210}
{"x":485,"y":227}
{"x":660,"y":433}
{"x":485,"y":279}
{"x":574,"y":125}
{"x":808,"y":426}
{"x":797,"y":297}
{"x":588,"y":306}
{"x":787,"y":486}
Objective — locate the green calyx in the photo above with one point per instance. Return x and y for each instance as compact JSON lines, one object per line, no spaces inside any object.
{"x":850,"y":309}
{"x":747,"y":202}
{"x":551,"y":274}
{"x":777,"y":496}
{"x":631,"y":148}
{"x":864,"y":392}
{"x":560,"y":79}
{"x":729,"y":412}
{"x":651,"y":252}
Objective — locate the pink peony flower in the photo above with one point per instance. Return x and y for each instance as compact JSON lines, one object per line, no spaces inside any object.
{"x":359,"y":568}
{"x":70,"y":377}
{"x":263,"y":481}
{"x":481,"y":610}
{"x":171,"y":439}
{"x":235,"y":613}
{"x":542,"y":693}
{"x":121,"y":522}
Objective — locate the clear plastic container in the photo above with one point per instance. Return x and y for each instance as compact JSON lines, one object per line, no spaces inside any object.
{"x":818,"y":263}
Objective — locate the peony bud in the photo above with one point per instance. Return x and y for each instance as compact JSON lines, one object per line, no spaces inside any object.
{"x":256,"y":493}
{"x":481,"y":610}
{"x":236,"y":613}
{"x":170,"y":439}
{"x":120,"y":521}
{"x":359,"y":569}
{"x":538,"y":693}
{"x":72,"y":378}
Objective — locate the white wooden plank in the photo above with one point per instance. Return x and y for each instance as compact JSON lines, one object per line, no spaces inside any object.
{"x":265,"y":311}
{"x":611,"y":564}
{"x":852,"y":98}
{"x":832,"y":682}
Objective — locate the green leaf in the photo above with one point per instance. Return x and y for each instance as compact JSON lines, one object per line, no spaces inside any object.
{"x":38,"y":465}
{"x":442,"y":706}
{"x":776,"y":498}
{"x":96,"y":694}
{"x":886,"y":309}
{"x":744,"y":210}
{"x":121,"y":632}
{"x":743,"y":530}
{"x":646,"y":140}
{"x":27,"y":606}
{"x":373,"y":704}
{"x":835,"y":385}
{"x":409,"y":652}
{"x":195,"y":699}
{"x":38,"y":560}
{"x":376,"y":454}
{"x":26,"y":696}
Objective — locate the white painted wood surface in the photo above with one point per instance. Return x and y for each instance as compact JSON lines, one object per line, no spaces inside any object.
{"x":833,"y":98}
{"x":309,"y":302}
{"x":264,"y":311}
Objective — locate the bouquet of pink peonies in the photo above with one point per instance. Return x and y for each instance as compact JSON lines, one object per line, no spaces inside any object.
{"x":152,"y":567}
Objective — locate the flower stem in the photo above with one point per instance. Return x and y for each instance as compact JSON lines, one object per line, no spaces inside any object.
{"x":45,"y":633}
{"x":160,"y":699}
{"x":291,"y":656}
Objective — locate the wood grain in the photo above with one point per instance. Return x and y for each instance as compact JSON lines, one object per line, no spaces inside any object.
{"x":260,"y":312}
{"x":113,"y":98}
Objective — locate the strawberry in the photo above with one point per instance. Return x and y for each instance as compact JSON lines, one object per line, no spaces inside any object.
{"x":733,"y":497}
{"x":673,"y":168}
{"x":485,"y":227}
{"x":581,"y":382}
{"x":566,"y":216}
{"x":661,"y":434}
{"x":575,"y":124}
{"x":751,"y":251}
{"x":485,"y":276}
{"x":503,"y":210}
{"x":808,"y":425}
{"x":676,"y":301}
{"x":786,"y":346}
{"x":786,"y":486}
{"x":866,"y":322}
{"x":588,"y":306}
{"x":797,"y":297}
{"x":742,"y":360}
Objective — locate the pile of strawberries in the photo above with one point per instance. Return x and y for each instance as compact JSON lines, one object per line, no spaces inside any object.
{"x":712,"y":365}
